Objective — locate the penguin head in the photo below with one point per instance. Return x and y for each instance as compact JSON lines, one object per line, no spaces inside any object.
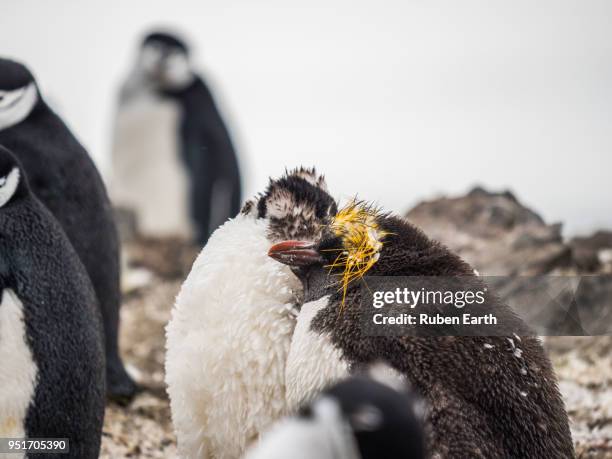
{"x":386,"y":422}
{"x":13,"y":185}
{"x":358,"y":418}
{"x":18,"y":93}
{"x":164,"y":59}
{"x":297,"y":206}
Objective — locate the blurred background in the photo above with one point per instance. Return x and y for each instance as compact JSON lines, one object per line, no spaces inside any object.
{"x":398,"y":103}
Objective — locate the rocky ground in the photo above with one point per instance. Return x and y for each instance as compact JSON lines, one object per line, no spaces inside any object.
{"x":493,"y":231}
{"x":584,"y":368}
{"x":144,"y":428}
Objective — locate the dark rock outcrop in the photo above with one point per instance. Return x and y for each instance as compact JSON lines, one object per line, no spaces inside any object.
{"x":593,"y":253}
{"x":494,"y":232}
{"x":559,"y":287}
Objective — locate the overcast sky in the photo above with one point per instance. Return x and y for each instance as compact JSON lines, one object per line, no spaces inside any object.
{"x":396,"y":101}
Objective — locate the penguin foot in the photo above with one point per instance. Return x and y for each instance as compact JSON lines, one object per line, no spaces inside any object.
{"x":120,"y":387}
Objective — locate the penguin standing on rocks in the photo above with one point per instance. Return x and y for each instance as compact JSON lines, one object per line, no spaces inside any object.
{"x":358,"y":418}
{"x":52,"y":370}
{"x":63,"y":176}
{"x":169,"y":131}
{"x":488,"y":397}
{"x":231,"y":326}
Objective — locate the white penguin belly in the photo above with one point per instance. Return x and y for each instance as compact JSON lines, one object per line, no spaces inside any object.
{"x":227,"y":343}
{"x":17,"y":370}
{"x":313,"y":362}
{"x":148,"y":173}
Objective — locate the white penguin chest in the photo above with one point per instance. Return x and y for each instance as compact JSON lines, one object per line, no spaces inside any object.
{"x":148,"y":173}
{"x":18,"y":370}
{"x":313,"y":362}
{"x":227,"y":343}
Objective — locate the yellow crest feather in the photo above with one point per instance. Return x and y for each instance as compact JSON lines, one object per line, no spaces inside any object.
{"x":356,"y":224}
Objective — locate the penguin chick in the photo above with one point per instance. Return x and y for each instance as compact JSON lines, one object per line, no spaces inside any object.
{"x":51,"y":352}
{"x":358,"y":418}
{"x":486,"y":400}
{"x":63,"y":176}
{"x":231,"y":326}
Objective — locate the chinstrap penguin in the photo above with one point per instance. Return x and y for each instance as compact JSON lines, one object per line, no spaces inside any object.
{"x":488,"y":397}
{"x":170,"y":131}
{"x":231,"y":326}
{"x":357,"y":418}
{"x":63,"y":176}
{"x":51,"y":351}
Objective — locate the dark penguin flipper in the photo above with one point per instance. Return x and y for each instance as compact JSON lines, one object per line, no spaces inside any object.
{"x":217,"y":193}
{"x":210,"y":158}
{"x":120,"y":387}
{"x":201,"y":197}
{"x":232,"y":178}
{"x":236,"y":200}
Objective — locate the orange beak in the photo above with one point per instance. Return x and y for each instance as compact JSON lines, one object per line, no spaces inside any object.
{"x":295,"y":253}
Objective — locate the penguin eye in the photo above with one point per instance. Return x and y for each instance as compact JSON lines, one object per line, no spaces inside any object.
{"x":366,"y":418}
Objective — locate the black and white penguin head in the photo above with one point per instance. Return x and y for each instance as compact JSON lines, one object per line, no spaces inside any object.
{"x":358,"y":418}
{"x":164,"y":59}
{"x":18,"y":93}
{"x":12,"y":182}
{"x":386,"y":421}
{"x":297,"y":205}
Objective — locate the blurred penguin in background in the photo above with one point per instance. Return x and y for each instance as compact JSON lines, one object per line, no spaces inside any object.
{"x":364,"y":417}
{"x":173,"y":160}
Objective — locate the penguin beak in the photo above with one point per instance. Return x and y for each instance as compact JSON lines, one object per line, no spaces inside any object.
{"x":295,"y":253}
